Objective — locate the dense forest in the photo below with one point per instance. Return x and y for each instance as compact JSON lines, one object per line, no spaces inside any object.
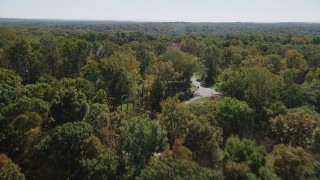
{"x":181,"y":28}
{"x":82,"y":101}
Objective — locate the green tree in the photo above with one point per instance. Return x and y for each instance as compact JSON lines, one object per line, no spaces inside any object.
{"x":12,"y":137}
{"x":17,"y":133}
{"x":68,"y":106}
{"x":104,"y":49}
{"x":245,"y":151}
{"x":104,"y":166}
{"x":293,"y":128}
{"x":290,"y":76}
{"x":316,"y":140}
{"x":100,"y":97}
{"x":74,"y":54}
{"x":317,"y":169}
{"x":185,"y":65}
{"x":233,"y":170}
{"x":162,"y":75}
{"x":20,"y":55}
{"x":95,"y":110}
{"x":7,"y":94}
{"x":61,"y":149}
{"x":175,"y":118}
{"x":144,"y":55}
{"x":313,"y":93}
{"x":9,"y":170}
{"x":178,"y":151}
{"x":10,"y":78}
{"x":140,"y":138}
{"x":81,"y":85}
{"x":92,"y":72}
{"x":295,"y":60}
{"x":274,"y":63}
{"x":191,"y":46}
{"x":227,"y":57}
{"x":256,"y":86}
{"x":234,"y":117}
{"x":177,"y":169}
{"x":312,"y":55}
{"x":92,"y":148}
{"x":293,"y":95}
{"x":42,"y":91}
{"x":50,"y":53}
{"x":26,"y":105}
{"x":204,"y":140}
{"x":211,"y":58}
{"x":10,"y":86}
{"x":266,"y":173}
{"x":120,"y":76}
{"x":291,"y":163}
{"x":3,"y":60}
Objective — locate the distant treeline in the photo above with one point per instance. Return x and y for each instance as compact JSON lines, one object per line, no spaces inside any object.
{"x":169,"y":27}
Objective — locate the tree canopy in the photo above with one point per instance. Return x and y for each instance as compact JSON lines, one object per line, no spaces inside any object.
{"x":100,"y":100}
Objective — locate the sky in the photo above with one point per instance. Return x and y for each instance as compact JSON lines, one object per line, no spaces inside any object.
{"x":165,"y":10}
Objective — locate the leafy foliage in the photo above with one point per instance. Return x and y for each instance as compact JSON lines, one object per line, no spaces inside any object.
{"x":103,"y":167}
{"x":289,"y":162}
{"x":204,"y":140}
{"x":26,"y":105}
{"x":69,"y":106}
{"x":234,"y":117}
{"x":120,"y":75}
{"x":235,"y":170}
{"x":9,"y":170}
{"x":256,"y":86}
{"x":140,"y":139}
{"x":245,"y":151}
{"x":9,"y":77}
{"x":62,"y":147}
{"x":62,"y":93}
{"x":175,"y":118}
{"x":294,"y":128}
{"x":177,"y":169}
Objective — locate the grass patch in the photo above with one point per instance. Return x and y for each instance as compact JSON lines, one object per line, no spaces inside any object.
{"x":193,"y":88}
{"x":214,"y":86}
{"x":197,"y":76}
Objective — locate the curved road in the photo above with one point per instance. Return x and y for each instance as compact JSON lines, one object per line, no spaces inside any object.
{"x":201,"y":92}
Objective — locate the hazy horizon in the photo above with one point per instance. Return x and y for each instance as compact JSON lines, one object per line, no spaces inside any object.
{"x":256,"y":11}
{"x":151,"y":21}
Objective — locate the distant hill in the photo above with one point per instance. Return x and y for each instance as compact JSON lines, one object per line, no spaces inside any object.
{"x":169,"y":27}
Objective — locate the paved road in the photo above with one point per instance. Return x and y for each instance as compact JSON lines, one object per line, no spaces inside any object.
{"x":201,"y":92}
